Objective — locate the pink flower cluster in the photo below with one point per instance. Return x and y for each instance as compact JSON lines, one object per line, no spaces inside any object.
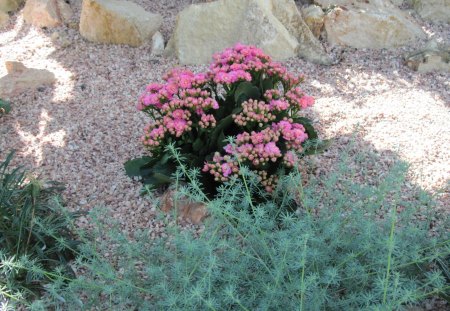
{"x":254,"y":111}
{"x":185,"y":107}
{"x":293,"y":134}
{"x":241,"y":61}
{"x":297,"y":98}
{"x":259,"y":149}
{"x":177,"y":106}
{"x":222,"y":167}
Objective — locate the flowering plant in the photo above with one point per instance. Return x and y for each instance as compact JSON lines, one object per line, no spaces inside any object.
{"x":245,"y":95}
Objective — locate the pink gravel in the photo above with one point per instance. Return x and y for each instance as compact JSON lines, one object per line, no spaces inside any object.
{"x":82,"y":130}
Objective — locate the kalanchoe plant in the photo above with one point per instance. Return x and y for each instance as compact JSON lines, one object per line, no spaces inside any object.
{"x":244,"y":95}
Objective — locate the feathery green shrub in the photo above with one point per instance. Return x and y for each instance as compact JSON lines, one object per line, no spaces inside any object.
{"x":36,"y":242}
{"x":347,"y":248}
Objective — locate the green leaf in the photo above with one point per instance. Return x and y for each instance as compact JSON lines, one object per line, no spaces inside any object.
{"x":221,"y":126}
{"x":157,"y":172}
{"x":266,"y":84}
{"x":197,"y":145}
{"x":221,"y":141}
{"x":246,"y":91}
{"x":133,"y":167}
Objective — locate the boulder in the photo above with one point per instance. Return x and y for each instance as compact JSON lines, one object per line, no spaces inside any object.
{"x":4,"y":19}
{"x":314,"y":17}
{"x":157,"y":44}
{"x":46,"y":13}
{"x":376,"y":25}
{"x":207,"y":28}
{"x":117,"y":22}
{"x":10,"y":5}
{"x":20,"y":79}
{"x":430,"y":59}
{"x":433,"y":10}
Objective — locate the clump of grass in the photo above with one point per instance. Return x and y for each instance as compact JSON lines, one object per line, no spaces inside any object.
{"x":36,"y":242}
{"x":346,"y":248}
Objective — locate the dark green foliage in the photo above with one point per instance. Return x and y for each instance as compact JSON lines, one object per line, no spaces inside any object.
{"x":347,"y":248}
{"x":35,"y":236}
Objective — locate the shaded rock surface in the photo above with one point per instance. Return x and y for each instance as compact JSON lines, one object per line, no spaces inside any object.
{"x":275,"y":26}
{"x":117,"y":22}
{"x":309,"y":47}
{"x":46,"y":13}
{"x":375,"y":25}
{"x":431,"y":58}
{"x":20,"y":79}
{"x":314,"y":17}
{"x":433,"y":10}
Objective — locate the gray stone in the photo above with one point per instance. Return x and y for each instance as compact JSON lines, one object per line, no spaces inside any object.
{"x":157,"y":44}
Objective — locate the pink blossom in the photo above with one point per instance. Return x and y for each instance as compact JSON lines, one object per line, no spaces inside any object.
{"x":306,"y":101}
{"x":226,"y":169}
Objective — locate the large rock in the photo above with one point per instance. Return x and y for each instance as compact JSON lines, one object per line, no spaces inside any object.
{"x":433,"y":10}
{"x":20,"y":79}
{"x":432,"y":58}
{"x":46,"y":13}
{"x":117,"y":22}
{"x":377,"y":24}
{"x":204,"y":29}
{"x":10,"y":5}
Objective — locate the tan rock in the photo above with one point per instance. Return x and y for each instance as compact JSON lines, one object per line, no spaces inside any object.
{"x":46,"y":13}
{"x":117,"y":22}
{"x":10,"y":5}
{"x":430,"y":59}
{"x":14,"y":67}
{"x":433,"y":10}
{"x":376,"y":25}
{"x":204,"y":29}
{"x":314,"y":17}
{"x":4,"y":19}
{"x":194,"y":212}
{"x":20,"y":79}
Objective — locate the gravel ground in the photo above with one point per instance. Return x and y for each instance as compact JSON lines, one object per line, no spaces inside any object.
{"x":82,"y":130}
